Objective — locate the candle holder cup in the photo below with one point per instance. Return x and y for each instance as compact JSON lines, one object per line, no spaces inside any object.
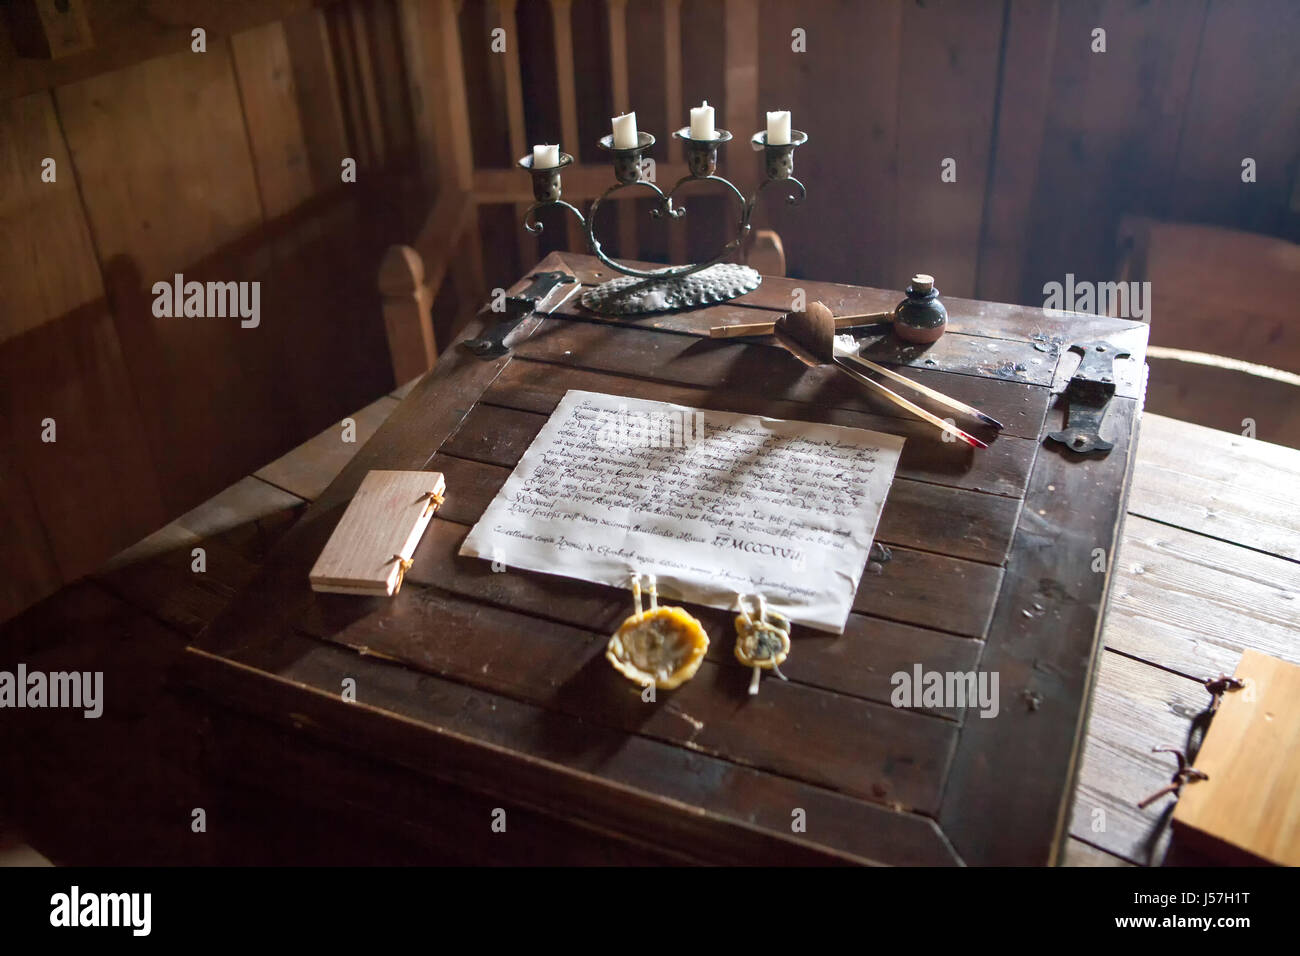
{"x":702,"y":154}
{"x":640,"y":291}
{"x":627,"y":159}
{"x":546,"y":181}
{"x":778,"y":161}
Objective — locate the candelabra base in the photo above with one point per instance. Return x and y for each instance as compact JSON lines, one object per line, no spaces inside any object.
{"x":630,"y":295}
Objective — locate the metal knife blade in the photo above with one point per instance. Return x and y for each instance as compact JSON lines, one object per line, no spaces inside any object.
{"x":546,"y":292}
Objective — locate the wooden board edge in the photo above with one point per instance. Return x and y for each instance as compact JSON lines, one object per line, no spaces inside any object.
{"x":261,"y":694}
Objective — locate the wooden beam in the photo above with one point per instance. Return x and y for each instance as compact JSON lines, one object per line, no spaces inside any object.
{"x":360,"y":35}
{"x":740,"y":82}
{"x":562,"y":21}
{"x":515,"y":129}
{"x":618,"y":78}
{"x":673,"y":102}
{"x":436,"y":73}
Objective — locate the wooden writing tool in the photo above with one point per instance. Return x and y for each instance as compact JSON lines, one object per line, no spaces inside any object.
{"x":371,"y":547}
{"x":810,"y":337}
{"x":767,"y":328}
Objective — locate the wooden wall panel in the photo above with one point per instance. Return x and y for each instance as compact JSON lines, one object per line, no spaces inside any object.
{"x":126,"y":33}
{"x":270,"y":106}
{"x":163,"y":159}
{"x":95,"y":488}
{"x":28,"y":570}
{"x":316,"y":84}
{"x":947,"y":96}
{"x":844,"y":92}
{"x":1025,"y":96}
{"x":389,"y":68}
{"x":166,"y":171}
{"x":1111,"y":134}
{"x":47,"y":278}
{"x":221,"y":165}
{"x":1244,"y":101}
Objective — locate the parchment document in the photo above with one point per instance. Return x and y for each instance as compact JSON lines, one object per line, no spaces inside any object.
{"x":713,"y":503}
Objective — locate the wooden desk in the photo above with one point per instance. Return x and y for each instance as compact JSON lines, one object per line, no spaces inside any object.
{"x":496,"y":685}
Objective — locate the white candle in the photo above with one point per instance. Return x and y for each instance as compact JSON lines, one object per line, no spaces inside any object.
{"x":546,"y":157}
{"x":625,"y":131}
{"x":702,"y":122}
{"x":778,"y":128}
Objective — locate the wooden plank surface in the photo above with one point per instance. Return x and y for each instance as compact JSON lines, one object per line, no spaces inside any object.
{"x":1135,"y":707}
{"x":315,"y":83}
{"x":849,"y":762}
{"x":565,"y":766}
{"x":737,"y":367}
{"x":1244,"y":75}
{"x":1080,"y":853}
{"x":1220,"y":485}
{"x":95,"y":486}
{"x":307,"y":470}
{"x":858,"y":663}
{"x":898,"y":758}
{"x":1024,"y":96}
{"x":1043,"y":642}
{"x":1089,"y":135}
{"x":1192,"y":604}
{"x":60,"y":361}
{"x":1048,"y":329}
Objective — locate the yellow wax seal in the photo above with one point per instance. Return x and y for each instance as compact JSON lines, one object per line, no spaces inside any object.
{"x":663,"y":646}
{"x":762,"y":642}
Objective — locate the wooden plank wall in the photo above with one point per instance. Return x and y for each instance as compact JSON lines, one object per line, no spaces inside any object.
{"x":1054,"y":143}
{"x":222,"y":165}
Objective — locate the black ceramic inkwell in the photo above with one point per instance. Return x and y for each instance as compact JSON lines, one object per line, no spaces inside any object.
{"x":921,"y":317}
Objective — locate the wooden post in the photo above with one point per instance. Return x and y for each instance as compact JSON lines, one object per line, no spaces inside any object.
{"x":766,"y":253}
{"x":625,"y":211}
{"x":408,"y":313}
{"x":740,"y":80}
{"x":562,"y":21}
{"x":673,"y":98}
{"x":506,"y":18}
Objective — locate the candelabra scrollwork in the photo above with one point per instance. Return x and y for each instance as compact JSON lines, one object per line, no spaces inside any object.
{"x":674,"y":287}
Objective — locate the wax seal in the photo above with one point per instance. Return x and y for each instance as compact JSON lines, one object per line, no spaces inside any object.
{"x":662,"y":646}
{"x":762,"y":639}
{"x":921,"y":317}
